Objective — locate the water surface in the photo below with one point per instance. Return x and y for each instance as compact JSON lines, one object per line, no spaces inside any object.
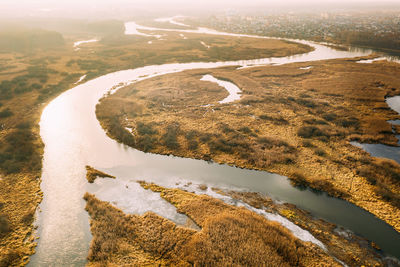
{"x":74,"y":138}
{"x":172,"y":20}
{"x":233,"y":90}
{"x":79,"y":43}
{"x":384,"y":151}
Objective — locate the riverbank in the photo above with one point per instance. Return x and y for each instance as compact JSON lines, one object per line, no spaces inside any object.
{"x":291,"y":120}
{"x":62,"y":207}
{"x":212,"y":217}
{"x":226,"y":237}
{"x":30,"y":81}
{"x":25,"y":92}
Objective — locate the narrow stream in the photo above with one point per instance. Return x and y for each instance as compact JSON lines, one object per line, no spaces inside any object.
{"x":79,"y":43}
{"x":233,"y":90}
{"x":74,"y":138}
{"x":172,"y":20}
{"x":384,"y":151}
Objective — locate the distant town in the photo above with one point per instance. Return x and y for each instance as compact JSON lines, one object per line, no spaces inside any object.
{"x":362,"y":28}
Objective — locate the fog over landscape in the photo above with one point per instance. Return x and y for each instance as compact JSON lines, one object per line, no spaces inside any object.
{"x":199,"y":133}
{"x":124,"y":8}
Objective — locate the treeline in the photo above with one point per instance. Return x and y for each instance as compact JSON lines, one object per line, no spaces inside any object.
{"x":22,"y":40}
{"x":370,"y":39}
{"x":90,"y":65}
{"x":29,"y":35}
{"x":374,"y":40}
{"x":386,"y":35}
{"x":67,"y":26}
{"x":53,"y":89}
{"x":35,"y":78}
{"x":116,"y":130}
{"x":18,"y":150}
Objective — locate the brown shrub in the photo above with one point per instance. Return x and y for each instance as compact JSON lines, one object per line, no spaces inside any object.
{"x":92,"y":174}
{"x":320,"y":152}
{"x":367,"y":173}
{"x":311,"y":131}
{"x":298,"y":179}
{"x":4,"y":225}
{"x":28,"y":217}
{"x":9,"y":258}
{"x":241,"y":238}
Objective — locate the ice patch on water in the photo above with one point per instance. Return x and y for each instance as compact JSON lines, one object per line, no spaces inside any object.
{"x":131,"y":198}
{"x":368,"y":61}
{"x":296,"y":230}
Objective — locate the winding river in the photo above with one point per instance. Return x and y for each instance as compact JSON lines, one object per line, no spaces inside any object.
{"x":74,"y":138}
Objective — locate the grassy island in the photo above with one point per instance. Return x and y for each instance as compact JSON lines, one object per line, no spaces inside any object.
{"x":295,"y":119}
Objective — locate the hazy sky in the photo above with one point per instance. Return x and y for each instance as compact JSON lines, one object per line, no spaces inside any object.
{"x":188,"y":2}
{"x":263,"y":3}
{"x":193,"y":1}
{"x":67,"y":8}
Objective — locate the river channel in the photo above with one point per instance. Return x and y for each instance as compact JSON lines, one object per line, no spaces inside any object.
{"x":74,"y":138}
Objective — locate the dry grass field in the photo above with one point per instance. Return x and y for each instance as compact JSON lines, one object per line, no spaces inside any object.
{"x":24,"y":91}
{"x":348,"y":248}
{"x":228,"y":236}
{"x":291,"y":121}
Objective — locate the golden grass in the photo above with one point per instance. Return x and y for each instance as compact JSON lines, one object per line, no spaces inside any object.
{"x":20,"y":192}
{"x":290,"y":121}
{"x":352,"y":250}
{"x":229,"y":48}
{"x":229,"y":236}
{"x":92,"y":174}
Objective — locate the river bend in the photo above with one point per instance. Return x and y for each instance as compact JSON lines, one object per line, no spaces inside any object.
{"x":74,"y":138}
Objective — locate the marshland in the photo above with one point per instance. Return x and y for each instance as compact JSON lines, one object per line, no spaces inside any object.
{"x":137,"y":136}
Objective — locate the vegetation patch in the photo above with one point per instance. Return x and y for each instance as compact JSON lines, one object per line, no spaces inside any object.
{"x":229,"y":236}
{"x":310,"y":131}
{"x":276,"y":120}
{"x":350,"y":249}
{"x":4,"y":225}
{"x":19,"y":151}
{"x":285,"y":123}
{"x":92,"y":174}
{"x":37,"y":65}
{"x":170,"y":136}
{"x":6,"y":113}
